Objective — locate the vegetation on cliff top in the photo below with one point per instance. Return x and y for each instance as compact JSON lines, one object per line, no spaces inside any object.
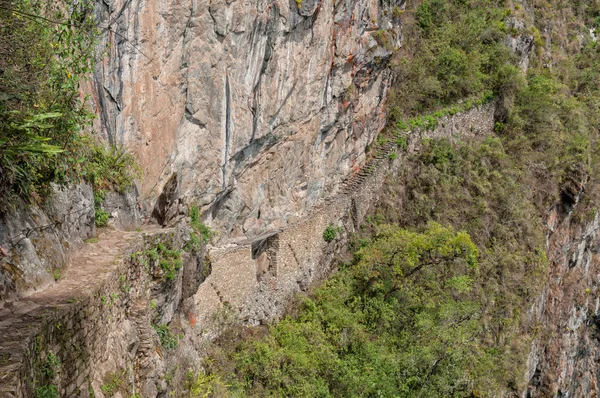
{"x":423,"y":310}
{"x":46,"y":48}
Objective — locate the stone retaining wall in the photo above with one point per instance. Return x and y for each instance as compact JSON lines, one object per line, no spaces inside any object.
{"x":104,"y":343}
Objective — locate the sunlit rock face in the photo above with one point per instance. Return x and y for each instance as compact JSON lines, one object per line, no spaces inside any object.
{"x":260,"y":108}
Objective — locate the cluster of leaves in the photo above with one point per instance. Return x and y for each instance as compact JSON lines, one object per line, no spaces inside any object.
{"x":201,"y":230}
{"x":47,"y":391}
{"x":46,"y":48}
{"x":330,"y":233}
{"x":167,"y":339}
{"x":48,"y":372}
{"x":160,"y":259}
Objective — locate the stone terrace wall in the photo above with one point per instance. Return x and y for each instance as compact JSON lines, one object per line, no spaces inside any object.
{"x":87,"y":343}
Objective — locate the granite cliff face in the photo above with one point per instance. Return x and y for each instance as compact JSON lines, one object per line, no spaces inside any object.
{"x":252,"y":109}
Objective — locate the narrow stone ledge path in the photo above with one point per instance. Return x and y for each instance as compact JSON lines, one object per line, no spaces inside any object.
{"x":88,"y":269}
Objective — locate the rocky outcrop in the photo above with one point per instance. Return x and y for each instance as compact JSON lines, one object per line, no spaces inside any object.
{"x":123,"y":208}
{"x":564,"y":355}
{"x":259,"y":107}
{"x":35,"y":240}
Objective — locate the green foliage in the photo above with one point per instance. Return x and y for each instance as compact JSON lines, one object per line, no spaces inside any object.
{"x":49,"y":366}
{"x":205,"y":232}
{"x":193,"y":244}
{"x":330,"y":233}
{"x":161,"y":260}
{"x":110,"y":168}
{"x":48,"y":391}
{"x":46,"y":48}
{"x":402,"y":142}
{"x":101,"y":217}
{"x":167,"y":339}
{"x":477,"y":187}
{"x":56,"y":275}
{"x":204,"y":386}
{"x":454,"y":50}
{"x":397,"y":322}
{"x":48,"y":372}
{"x":424,"y":16}
{"x":114,"y":382}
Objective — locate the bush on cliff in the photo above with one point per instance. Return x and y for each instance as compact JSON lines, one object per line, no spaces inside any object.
{"x":46,"y":49}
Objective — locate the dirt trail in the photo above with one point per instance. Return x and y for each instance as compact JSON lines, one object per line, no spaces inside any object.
{"x":87,"y":270}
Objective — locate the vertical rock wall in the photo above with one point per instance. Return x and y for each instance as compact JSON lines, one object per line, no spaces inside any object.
{"x":258,"y":107}
{"x":35,"y":240}
{"x":564,"y":355}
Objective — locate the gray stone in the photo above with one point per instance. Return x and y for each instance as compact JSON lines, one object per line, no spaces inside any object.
{"x":73,"y":207}
{"x":248,"y":103}
{"x":124,"y":209}
{"x":38,"y":238}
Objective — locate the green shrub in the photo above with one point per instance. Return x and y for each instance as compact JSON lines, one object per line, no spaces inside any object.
{"x":48,"y":391}
{"x":49,"y":366}
{"x":424,"y":16}
{"x":56,"y":275}
{"x":330,"y":233}
{"x":193,"y":244}
{"x":200,"y":227}
{"x":43,"y":119}
{"x":101,"y":217}
{"x":402,"y":143}
{"x":167,"y":339}
{"x":161,"y":257}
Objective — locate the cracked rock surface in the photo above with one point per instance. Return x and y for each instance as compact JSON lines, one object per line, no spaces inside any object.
{"x":260,"y":107}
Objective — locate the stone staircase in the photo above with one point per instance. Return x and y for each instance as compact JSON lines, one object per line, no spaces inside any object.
{"x":140,"y":317}
{"x":357,"y":179}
